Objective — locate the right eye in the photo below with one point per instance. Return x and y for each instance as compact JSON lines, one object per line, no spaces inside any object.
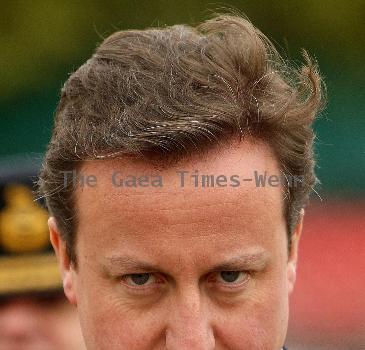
{"x":138,"y":279}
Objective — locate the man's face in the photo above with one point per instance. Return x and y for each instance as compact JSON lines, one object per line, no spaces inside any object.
{"x":39,"y":322}
{"x":182,"y":267}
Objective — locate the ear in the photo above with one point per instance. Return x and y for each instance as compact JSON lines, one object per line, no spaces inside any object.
{"x":66,"y":267}
{"x":293,"y":255}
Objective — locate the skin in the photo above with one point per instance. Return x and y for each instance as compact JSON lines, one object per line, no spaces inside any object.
{"x":30,"y":323}
{"x":188,"y":237}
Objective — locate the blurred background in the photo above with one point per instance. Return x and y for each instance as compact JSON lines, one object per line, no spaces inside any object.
{"x":41,"y":42}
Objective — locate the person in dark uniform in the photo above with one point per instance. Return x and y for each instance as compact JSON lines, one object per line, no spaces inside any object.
{"x":34,"y":313}
{"x":176,"y":179}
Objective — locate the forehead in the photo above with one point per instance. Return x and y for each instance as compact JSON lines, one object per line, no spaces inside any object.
{"x":189,"y":213}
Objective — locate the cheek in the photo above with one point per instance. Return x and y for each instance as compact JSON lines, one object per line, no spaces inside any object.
{"x":109,"y":323}
{"x":260,"y":322}
{"x":257,"y":327}
{"x":111,"y":326}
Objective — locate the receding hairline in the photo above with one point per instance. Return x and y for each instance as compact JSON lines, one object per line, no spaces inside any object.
{"x":232,"y":79}
{"x":160,"y":161}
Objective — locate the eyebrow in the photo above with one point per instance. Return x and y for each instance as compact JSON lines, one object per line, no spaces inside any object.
{"x":114,"y":264}
{"x":253,"y":260}
{"x":126,"y":262}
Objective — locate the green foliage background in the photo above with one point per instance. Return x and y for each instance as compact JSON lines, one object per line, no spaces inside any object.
{"x":41,"y":42}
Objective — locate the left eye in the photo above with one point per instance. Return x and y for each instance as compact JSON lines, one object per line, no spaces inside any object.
{"x":232,"y":277}
{"x":139,"y":279}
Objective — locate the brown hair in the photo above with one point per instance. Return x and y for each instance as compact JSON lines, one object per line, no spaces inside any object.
{"x":169,"y":91}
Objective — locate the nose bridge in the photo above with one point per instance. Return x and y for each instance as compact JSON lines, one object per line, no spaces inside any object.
{"x":189,"y":323}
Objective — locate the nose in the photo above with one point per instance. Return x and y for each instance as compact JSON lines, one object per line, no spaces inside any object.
{"x":189,"y":324}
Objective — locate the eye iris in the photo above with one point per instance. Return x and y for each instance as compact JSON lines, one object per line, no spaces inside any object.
{"x":230,"y":276}
{"x":140,"y":278}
